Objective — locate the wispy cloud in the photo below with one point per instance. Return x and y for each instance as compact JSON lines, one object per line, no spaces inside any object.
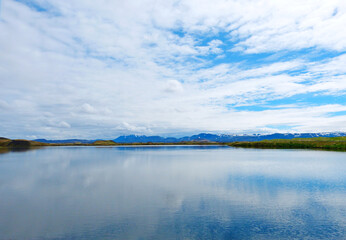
{"x":100,"y":69}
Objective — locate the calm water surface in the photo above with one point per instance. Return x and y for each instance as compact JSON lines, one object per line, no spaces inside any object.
{"x":172,"y":193}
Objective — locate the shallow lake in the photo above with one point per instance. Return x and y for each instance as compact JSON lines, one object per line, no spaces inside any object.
{"x":172,"y":192}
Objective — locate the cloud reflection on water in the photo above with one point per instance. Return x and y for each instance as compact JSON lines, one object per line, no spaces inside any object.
{"x":165,"y":192}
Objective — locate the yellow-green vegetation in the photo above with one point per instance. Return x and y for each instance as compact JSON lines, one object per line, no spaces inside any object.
{"x":19,"y":143}
{"x":3,"y":145}
{"x":104,"y":143}
{"x":327,"y":143}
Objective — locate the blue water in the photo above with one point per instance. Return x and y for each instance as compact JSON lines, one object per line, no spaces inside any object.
{"x":188,"y":192}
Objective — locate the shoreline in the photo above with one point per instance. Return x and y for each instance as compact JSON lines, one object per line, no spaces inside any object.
{"x":320,"y":143}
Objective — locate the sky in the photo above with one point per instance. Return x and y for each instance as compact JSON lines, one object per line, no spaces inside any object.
{"x":100,"y":69}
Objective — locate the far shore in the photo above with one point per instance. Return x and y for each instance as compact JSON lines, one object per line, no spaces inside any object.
{"x":322,"y":143}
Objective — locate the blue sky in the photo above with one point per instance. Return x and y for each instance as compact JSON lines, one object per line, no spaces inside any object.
{"x":100,"y":69}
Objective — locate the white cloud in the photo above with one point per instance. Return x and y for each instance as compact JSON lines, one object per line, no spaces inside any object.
{"x":334,"y":66}
{"x":58,"y":124}
{"x":292,"y":25}
{"x":148,"y":66}
{"x":87,"y":108}
{"x":130,"y":128}
{"x":173,"y":86}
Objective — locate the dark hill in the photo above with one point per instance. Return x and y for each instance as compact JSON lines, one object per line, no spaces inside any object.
{"x":19,"y":144}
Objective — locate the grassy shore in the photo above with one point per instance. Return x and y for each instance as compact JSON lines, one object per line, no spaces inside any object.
{"x":333,"y":143}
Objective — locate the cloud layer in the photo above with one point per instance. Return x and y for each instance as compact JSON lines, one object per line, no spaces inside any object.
{"x":100,"y":69}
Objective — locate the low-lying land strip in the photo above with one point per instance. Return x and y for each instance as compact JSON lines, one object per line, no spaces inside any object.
{"x":326,"y":143}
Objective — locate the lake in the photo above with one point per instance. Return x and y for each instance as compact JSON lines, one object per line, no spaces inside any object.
{"x":172,"y":192}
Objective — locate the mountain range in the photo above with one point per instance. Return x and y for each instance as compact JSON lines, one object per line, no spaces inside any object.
{"x":202,"y":137}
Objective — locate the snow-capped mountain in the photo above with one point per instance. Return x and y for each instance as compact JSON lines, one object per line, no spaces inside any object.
{"x":203,"y":137}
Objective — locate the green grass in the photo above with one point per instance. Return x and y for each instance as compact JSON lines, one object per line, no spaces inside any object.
{"x":332,"y":143}
{"x":104,"y":143}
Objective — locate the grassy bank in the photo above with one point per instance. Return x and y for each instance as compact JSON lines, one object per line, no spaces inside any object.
{"x":333,"y":143}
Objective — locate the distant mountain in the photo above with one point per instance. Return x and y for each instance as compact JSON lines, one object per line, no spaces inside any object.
{"x":145,"y":139}
{"x":202,"y":137}
{"x":65,"y":141}
{"x":221,"y":137}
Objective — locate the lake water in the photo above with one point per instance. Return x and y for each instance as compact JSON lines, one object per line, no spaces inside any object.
{"x":172,"y":192}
